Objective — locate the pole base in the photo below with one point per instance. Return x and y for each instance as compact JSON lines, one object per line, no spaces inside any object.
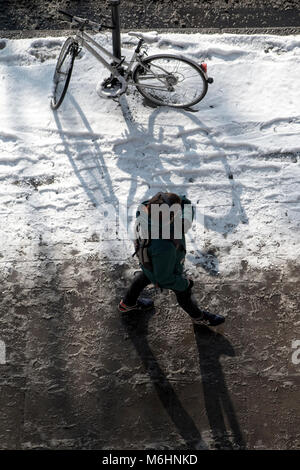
{"x":112,"y":87}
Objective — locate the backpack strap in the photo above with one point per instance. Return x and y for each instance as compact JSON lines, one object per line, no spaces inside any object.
{"x":141,"y":250}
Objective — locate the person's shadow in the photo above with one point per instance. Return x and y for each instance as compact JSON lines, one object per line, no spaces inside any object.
{"x":211,"y":346}
{"x":218,"y":404}
{"x":136,"y":326}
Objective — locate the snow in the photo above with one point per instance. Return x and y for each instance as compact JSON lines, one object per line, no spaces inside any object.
{"x":236,"y":157}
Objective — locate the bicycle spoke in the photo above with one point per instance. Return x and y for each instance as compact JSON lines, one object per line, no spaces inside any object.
{"x":184,"y":83}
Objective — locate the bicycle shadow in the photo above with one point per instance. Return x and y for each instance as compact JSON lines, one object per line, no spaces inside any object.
{"x":146,"y":139}
{"x":211,"y":346}
{"x":96,"y":182}
{"x":150,"y":143}
{"x":136,"y":326}
{"x":143,"y":145}
{"x":236,"y":214}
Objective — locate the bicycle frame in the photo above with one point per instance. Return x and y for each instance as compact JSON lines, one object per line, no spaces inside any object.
{"x":84,"y":39}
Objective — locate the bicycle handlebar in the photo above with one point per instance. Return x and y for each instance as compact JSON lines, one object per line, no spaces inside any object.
{"x":84,"y":21}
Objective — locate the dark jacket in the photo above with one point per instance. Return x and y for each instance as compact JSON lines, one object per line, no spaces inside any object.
{"x":167,"y":260}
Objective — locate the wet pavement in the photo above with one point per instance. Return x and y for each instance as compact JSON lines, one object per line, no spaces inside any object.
{"x":81,"y":375}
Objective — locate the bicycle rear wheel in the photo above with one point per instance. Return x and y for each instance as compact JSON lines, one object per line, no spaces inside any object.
{"x":63,"y":72}
{"x":170,"y":80}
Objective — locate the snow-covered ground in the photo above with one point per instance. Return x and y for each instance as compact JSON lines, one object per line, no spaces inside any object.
{"x":236,"y":157}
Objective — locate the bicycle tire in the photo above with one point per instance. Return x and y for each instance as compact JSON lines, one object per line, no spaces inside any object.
{"x":63,"y":72}
{"x":195,"y":84}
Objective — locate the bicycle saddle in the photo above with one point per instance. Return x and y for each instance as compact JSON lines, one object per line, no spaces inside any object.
{"x":149,"y":38}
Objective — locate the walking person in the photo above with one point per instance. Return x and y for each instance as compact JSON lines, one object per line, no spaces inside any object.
{"x":160,"y":246}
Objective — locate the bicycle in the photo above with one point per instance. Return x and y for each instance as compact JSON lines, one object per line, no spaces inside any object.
{"x":163,"y":79}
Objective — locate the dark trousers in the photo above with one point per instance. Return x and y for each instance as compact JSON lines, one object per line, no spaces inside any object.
{"x":185,"y":298}
{"x":139,"y":283}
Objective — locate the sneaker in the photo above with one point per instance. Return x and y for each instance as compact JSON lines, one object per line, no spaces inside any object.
{"x":142,"y":304}
{"x":209,"y":319}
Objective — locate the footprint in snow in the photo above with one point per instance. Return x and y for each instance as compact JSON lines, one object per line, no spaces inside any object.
{"x":44,"y":49}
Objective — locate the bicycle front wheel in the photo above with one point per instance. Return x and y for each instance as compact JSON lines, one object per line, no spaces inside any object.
{"x":63,"y":72}
{"x":170,"y":80}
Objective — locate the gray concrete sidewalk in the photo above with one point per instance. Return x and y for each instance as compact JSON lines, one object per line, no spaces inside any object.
{"x":80,"y":375}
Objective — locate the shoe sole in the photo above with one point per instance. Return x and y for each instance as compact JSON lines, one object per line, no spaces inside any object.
{"x":138,"y":309}
{"x":204,"y":323}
